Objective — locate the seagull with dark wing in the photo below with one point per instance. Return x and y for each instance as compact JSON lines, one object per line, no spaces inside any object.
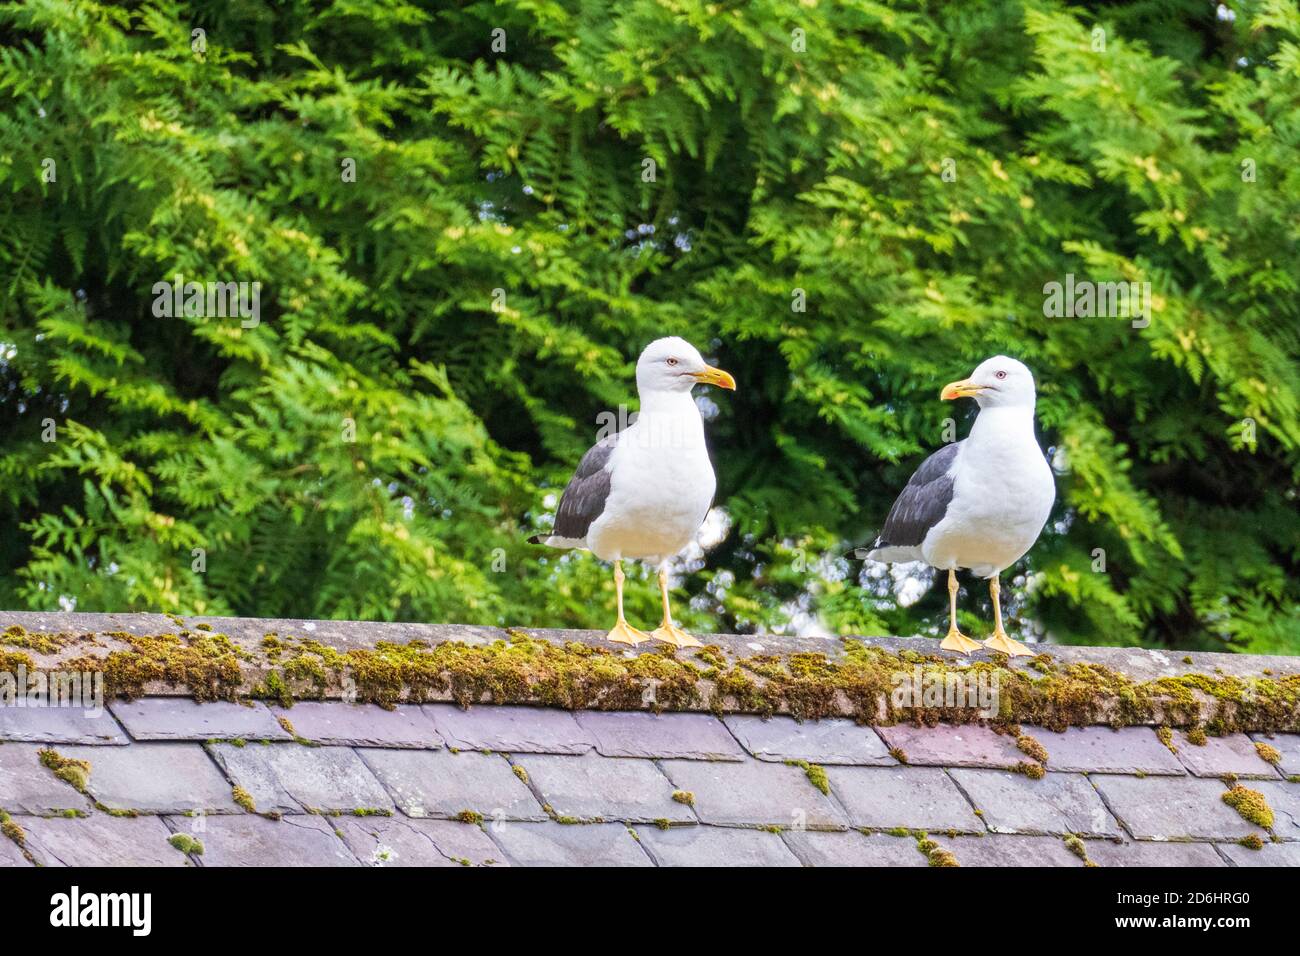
{"x":979,"y":503}
{"x":644,"y":492}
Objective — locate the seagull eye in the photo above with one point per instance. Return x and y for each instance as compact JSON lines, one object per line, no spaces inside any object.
{"x":671,"y":361}
{"x":999,"y":374}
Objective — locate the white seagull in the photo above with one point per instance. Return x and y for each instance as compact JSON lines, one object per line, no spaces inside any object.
{"x":643,"y":493}
{"x":979,"y":503}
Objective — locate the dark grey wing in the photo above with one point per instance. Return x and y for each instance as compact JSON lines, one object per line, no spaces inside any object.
{"x":584,"y":496}
{"x":923,"y":503}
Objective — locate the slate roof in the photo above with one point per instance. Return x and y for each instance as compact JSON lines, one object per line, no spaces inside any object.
{"x":329,"y":783}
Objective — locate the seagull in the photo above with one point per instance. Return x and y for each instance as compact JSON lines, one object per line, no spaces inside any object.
{"x":979,"y":503}
{"x":642,"y":493}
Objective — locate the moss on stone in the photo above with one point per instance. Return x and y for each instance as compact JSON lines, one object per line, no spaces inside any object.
{"x":470,"y":816}
{"x":816,"y":775}
{"x":1251,"y":804}
{"x":1196,"y":737}
{"x":1077,"y":847}
{"x":243,"y":799}
{"x":186,"y":843}
{"x":1268,"y":753}
{"x":1166,"y":736}
{"x":12,"y":830}
{"x":520,"y":772}
{"x":75,"y":773}
{"x":1251,"y":842}
{"x":1034,"y":771}
{"x":1033,"y":748}
{"x":684,"y":796}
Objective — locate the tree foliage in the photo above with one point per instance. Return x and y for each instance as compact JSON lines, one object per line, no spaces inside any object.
{"x":542,"y":187}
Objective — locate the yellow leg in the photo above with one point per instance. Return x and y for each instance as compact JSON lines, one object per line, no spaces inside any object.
{"x":668,"y":632}
{"x":622,"y":632}
{"x":1000,"y":641}
{"x":956,"y":640}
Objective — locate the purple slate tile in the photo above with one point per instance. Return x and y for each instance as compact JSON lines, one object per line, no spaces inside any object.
{"x":999,"y":851}
{"x":402,"y":842}
{"x":754,"y":793}
{"x":953,"y":745}
{"x":292,"y":778}
{"x":101,"y":840}
{"x":817,"y":741}
{"x":642,"y":734}
{"x":1149,"y":853}
{"x":1059,"y":803}
{"x":59,"y":725}
{"x":1284,"y":798}
{"x":1173,"y":808}
{"x":179,"y":718}
{"x":252,"y":840}
{"x":155,"y":778}
{"x":1104,"y":750}
{"x":821,"y":848}
{"x":1273,"y":854}
{"x":11,"y":855}
{"x":510,"y":729}
{"x":715,"y":846}
{"x":26,"y":787}
{"x":438,"y":783}
{"x":1288,"y":745}
{"x":1230,"y":754}
{"x":591,"y":787}
{"x":916,"y":798}
{"x":339,"y":724}
{"x":557,"y":844}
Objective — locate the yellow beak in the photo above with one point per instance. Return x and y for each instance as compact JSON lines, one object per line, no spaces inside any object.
{"x":963,"y":389}
{"x":716,"y":376}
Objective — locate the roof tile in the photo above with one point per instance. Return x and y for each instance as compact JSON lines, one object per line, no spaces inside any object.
{"x":361,"y":725}
{"x":401,"y":842}
{"x":953,"y":745}
{"x":819,"y":741}
{"x":292,"y":778}
{"x":26,"y":787}
{"x":179,"y":718}
{"x":438,"y":783}
{"x":591,"y":787}
{"x":715,"y":846}
{"x":101,"y":840}
{"x":822,"y":848}
{"x":510,"y":729}
{"x":642,"y":734}
{"x":11,"y":855}
{"x":155,"y":778}
{"x":252,"y":840}
{"x":557,"y":844}
{"x":1059,"y":803}
{"x":1284,"y":798}
{"x":1288,"y":746}
{"x":1000,"y":851}
{"x":1149,"y":853}
{"x":59,"y":725}
{"x":754,"y":793}
{"x":915,"y":798}
{"x":1104,"y":750}
{"x":1218,"y":756}
{"x":1171,"y":808}
{"x":1273,"y":854}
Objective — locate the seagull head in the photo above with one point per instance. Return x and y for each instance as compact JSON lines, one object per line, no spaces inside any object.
{"x":675,"y":365}
{"x":999,"y":381}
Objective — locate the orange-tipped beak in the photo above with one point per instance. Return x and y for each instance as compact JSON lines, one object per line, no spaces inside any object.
{"x":963,"y":389}
{"x":716,"y":376}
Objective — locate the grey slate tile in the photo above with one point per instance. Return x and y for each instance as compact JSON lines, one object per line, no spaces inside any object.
{"x":510,"y":729}
{"x":252,"y":840}
{"x":1170,"y":808}
{"x":59,"y":725}
{"x":11,"y":855}
{"x":1273,"y":854}
{"x":401,"y":841}
{"x":155,"y":778}
{"x":1059,"y":803}
{"x":953,"y":745}
{"x":438,"y":783}
{"x":822,"y":848}
{"x":1284,"y":798}
{"x":179,"y":718}
{"x":27,"y":787}
{"x":920,"y":798}
{"x":336,"y":723}
{"x":643,"y":734}
{"x":1104,"y":750}
{"x":715,"y":846}
{"x":590,"y":786}
{"x":292,"y":778}
{"x":1288,"y":745}
{"x":998,"y":850}
{"x":753,"y":793}
{"x":557,"y":844}
{"x":1230,"y":754}
{"x":101,"y":840}
{"x":817,"y":741}
{"x":1150,"y":853}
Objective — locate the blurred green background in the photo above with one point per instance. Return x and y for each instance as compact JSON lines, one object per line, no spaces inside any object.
{"x":541,"y":188}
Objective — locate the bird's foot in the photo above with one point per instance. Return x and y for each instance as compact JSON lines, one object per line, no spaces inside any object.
{"x":1000,"y":641}
{"x":670,"y":633}
{"x":957,"y":641}
{"x":625,"y":633}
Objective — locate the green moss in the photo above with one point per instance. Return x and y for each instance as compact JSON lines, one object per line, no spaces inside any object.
{"x":244,"y":799}
{"x":15,"y":635}
{"x":186,"y":843}
{"x":75,"y":773}
{"x":663,"y":824}
{"x":1251,"y":805}
{"x":1034,"y":771}
{"x":1077,"y":847}
{"x":899,"y":832}
{"x":816,"y":775}
{"x":942,"y":857}
{"x":286,"y":725}
{"x":371,"y":812}
{"x":12,"y":830}
{"x":207,"y":665}
{"x":116,"y":811}
{"x":1196,"y":737}
{"x":1028,"y":745}
{"x":898,"y":754}
{"x":684,"y":796}
{"x":520,"y":772}
{"x":1167,"y":738}
{"x":1251,"y":842}
{"x":1268,"y":753}
{"x":470,"y":816}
